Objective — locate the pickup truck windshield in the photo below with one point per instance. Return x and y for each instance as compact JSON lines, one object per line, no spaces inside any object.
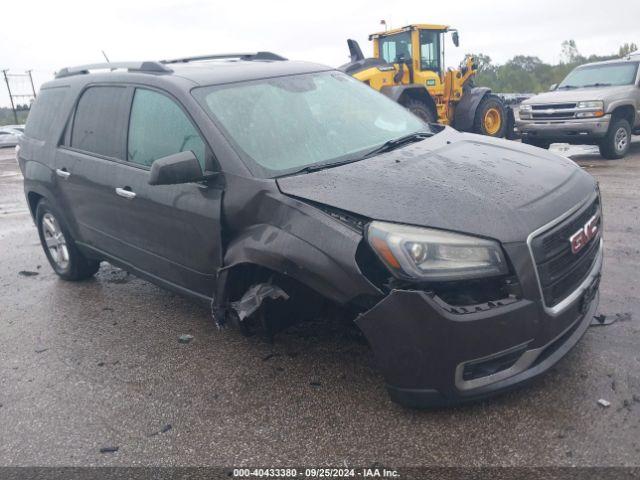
{"x":282,"y":125}
{"x":602,"y":75}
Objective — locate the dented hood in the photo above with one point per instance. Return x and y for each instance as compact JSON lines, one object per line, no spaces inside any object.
{"x":454,"y":181}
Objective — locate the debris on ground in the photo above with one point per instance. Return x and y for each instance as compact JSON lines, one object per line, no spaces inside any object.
{"x":185,"y":338}
{"x":315,"y":384}
{"x":41,"y":350}
{"x":254,"y":296}
{"x":603,"y":319}
{"x":270,"y":356}
{"x":164,"y":429}
{"x":27,"y":273}
{"x":623,"y":317}
{"x":109,"y":449}
{"x":604,"y":403}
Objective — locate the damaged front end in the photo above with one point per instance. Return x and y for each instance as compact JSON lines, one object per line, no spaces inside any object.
{"x":449,"y":317}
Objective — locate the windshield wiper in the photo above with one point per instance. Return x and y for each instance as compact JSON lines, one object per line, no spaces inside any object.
{"x":598,"y":84}
{"x":385,"y":147}
{"x":321,"y":166}
{"x":398,"y":142}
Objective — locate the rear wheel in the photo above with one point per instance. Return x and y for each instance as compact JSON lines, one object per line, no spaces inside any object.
{"x":536,"y":143}
{"x":491,"y":117}
{"x":61,"y":251}
{"x":618,"y":140}
{"x":420,"y":109}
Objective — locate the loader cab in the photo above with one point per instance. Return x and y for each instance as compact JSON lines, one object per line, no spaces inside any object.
{"x":420,"y":47}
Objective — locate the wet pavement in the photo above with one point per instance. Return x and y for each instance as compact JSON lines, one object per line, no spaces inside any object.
{"x":98,"y":365}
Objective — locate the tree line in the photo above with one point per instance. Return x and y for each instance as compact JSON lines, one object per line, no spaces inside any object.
{"x":7,"y":118}
{"x":529,"y":74}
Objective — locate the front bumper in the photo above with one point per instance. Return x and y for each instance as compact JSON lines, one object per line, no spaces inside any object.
{"x":569,"y":131}
{"x":426,"y":351}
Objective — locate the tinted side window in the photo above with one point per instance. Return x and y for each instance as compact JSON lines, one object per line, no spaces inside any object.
{"x":158,"y":127}
{"x":43,"y":112}
{"x":397,"y":46}
{"x":98,"y":125}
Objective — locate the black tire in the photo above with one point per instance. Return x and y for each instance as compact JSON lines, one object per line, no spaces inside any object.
{"x":490,"y":103}
{"x":618,"y":140}
{"x":536,"y":143}
{"x":76,"y":266}
{"x":420,"y":109}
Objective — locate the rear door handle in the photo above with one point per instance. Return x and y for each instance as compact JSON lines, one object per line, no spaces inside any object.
{"x":63,"y":173}
{"x":126,"y":193}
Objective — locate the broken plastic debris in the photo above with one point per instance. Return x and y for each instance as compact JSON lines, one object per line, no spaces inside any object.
{"x":604,"y":403}
{"x":609,"y":319}
{"x":185,"y":338}
{"x":602,"y":320}
{"x":27,"y":273}
{"x":254,"y":296}
{"x":109,"y":449}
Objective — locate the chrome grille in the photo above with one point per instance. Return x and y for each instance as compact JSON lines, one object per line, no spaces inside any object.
{"x":560,"y":271}
{"x":553,"y":111}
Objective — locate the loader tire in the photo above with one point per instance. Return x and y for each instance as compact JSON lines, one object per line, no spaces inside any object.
{"x":491,"y":117}
{"x":420,"y":109}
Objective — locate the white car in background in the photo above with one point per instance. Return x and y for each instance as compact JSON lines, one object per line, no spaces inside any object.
{"x":10,"y":134}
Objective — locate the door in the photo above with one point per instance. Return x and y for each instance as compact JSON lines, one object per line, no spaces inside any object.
{"x":94,"y":142}
{"x":169,"y":231}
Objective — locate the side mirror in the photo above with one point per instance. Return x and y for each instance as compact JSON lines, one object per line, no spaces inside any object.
{"x":456,"y":39}
{"x":553,"y":87}
{"x":182,"y":167}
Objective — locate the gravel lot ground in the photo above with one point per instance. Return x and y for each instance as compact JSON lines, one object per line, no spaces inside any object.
{"x":98,"y":364}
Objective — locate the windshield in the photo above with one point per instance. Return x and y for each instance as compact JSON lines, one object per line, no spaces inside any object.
{"x":281,"y":125}
{"x":601,"y":75}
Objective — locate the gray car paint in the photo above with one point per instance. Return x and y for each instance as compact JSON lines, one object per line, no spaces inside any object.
{"x":505,"y":190}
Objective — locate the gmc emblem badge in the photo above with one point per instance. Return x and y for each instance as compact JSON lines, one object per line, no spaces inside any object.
{"x":579,"y":239}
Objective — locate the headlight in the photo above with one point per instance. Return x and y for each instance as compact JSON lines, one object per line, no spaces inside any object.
{"x":428,"y":254}
{"x":525,"y":111}
{"x":594,"y":109}
{"x":594,"y":104}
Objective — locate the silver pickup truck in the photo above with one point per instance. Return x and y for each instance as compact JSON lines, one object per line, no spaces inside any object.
{"x":596,"y":104}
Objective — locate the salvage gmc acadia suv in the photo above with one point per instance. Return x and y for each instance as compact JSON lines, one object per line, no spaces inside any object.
{"x":265,"y":186}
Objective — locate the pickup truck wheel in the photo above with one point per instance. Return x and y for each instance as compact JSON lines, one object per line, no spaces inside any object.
{"x":618,"y":140}
{"x":419,"y":109}
{"x":61,"y":251}
{"x":491,"y":117}
{"x":536,"y":143}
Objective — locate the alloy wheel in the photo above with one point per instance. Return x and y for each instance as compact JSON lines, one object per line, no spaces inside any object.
{"x":55,"y":241}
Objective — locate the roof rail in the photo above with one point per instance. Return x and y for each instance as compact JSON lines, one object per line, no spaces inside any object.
{"x":239,"y":56}
{"x":149,"y":67}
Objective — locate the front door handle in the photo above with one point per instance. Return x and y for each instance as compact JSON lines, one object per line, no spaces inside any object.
{"x":63,"y":173}
{"x":126,"y":193}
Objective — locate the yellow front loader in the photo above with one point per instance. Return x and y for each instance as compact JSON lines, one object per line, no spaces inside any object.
{"x":408,"y":67}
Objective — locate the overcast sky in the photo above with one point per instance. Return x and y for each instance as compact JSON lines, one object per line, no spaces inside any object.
{"x":47,"y":35}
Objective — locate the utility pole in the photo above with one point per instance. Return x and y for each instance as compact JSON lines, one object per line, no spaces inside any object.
{"x":13,"y":107}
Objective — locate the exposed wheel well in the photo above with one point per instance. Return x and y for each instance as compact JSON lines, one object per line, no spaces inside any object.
{"x":303,"y":302}
{"x":627,"y":112}
{"x":33,"y":198}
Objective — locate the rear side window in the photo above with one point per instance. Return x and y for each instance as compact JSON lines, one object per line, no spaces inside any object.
{"x":41,"y":120}
{"x":98,"y":123}
{"x":158,"y":127}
